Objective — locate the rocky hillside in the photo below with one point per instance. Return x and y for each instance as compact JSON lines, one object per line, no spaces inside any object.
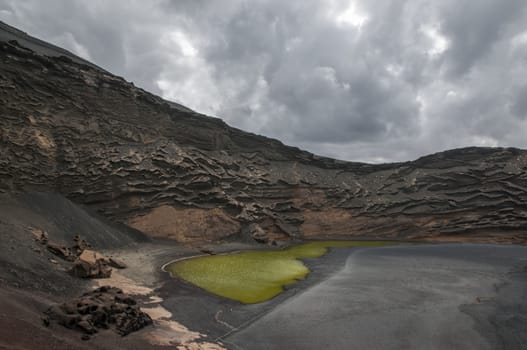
{"x":70,"y":127}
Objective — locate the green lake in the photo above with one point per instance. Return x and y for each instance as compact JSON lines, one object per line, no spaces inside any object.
{"x":255,"y":276}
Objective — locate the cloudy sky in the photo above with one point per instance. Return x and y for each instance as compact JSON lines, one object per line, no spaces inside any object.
{"x":383,"y":80}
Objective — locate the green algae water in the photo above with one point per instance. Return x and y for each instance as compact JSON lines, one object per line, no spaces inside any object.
{"x":255,"y":276}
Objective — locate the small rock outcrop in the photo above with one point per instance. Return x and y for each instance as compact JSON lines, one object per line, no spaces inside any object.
{"x":91,"y":264}
{"x":255,"y":232}
{"x":87,"y":263}
{"x":61,"y":251}
{"x":104,"y":308}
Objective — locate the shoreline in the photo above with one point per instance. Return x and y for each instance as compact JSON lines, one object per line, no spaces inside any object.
{"x":192,"y":318}
{"x":215,"y":318}
{"x":219,"y":317}
{"x":237,"y":315}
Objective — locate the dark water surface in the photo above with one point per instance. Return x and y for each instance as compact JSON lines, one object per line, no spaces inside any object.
{"x":449,"y":296}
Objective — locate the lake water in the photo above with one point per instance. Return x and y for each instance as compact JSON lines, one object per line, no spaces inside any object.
{"x":434,"y":297}
{"x":255,"y":276}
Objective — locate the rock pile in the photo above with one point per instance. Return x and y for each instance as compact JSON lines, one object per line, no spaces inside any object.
{"x":61,"y":250}
{"x":87,"y":263}
{"x":91,"y":264}
{"x":103,"y":308}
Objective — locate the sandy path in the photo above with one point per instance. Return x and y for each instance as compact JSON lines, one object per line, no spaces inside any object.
{"x":142,"y":278}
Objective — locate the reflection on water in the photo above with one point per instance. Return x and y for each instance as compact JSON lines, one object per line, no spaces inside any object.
{"x":255,"y":276}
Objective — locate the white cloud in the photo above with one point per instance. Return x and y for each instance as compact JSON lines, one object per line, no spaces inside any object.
{"x":353,"y":16}
{"x":179,"y":39}
{"x":67,"y":40}
{"x":484,"y":141}
{"x":438,"y":42}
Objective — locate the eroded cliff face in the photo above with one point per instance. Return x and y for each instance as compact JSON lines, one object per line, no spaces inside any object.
{"x":170,"y":172}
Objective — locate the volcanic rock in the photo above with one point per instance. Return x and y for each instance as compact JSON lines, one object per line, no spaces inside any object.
{"x":256,"y":232}
{"x":87,"y":263}
{"x":40,"y":236}
{"x":61,"y":251}
{"x":90,"y":257}
{"x":118,"y":264}
{"x":207,"y":251}
{"x":73,"y":128}
{"x":91,"y":264}
{"x":104,"y":308}
{"x":91,"y":269}
{"x":80,"y":245}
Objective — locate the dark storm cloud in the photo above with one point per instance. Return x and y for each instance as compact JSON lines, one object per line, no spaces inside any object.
{"x":362,"y":80}
{"x":474,"y":26}
{"x":99,"y":31}
{"x":321,"y":82}
{"x":73,"y":21}
{"x":519,"y":103}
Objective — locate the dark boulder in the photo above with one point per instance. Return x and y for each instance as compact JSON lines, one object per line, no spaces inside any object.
{"x":83,"y":269}
{"x":104,"y":308}
{"x":61,"y":251}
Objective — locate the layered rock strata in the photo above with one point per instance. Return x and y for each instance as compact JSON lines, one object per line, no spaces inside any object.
{"x":163,"y":169}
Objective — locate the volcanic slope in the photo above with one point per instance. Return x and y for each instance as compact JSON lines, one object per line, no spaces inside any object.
{"x":70,"y":127}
